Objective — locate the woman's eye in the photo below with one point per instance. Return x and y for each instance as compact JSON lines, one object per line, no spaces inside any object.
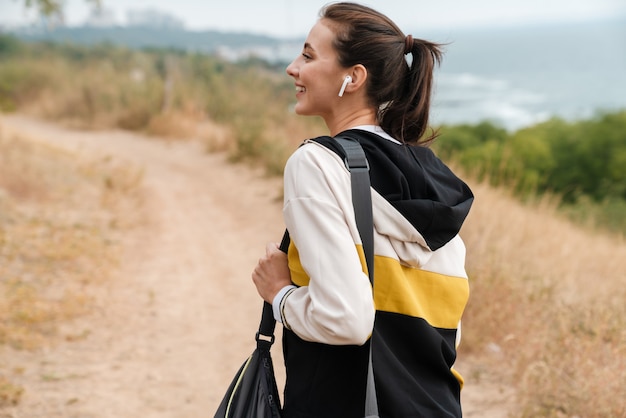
{"x":306,"y":56}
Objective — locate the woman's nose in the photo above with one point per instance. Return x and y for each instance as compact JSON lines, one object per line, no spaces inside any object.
{"x":291,"y":69}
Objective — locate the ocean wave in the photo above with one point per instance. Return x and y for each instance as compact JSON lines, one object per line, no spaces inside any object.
{"x":467,"y":98}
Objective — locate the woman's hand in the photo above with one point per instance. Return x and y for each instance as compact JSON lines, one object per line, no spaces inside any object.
{"x":271,"y":273}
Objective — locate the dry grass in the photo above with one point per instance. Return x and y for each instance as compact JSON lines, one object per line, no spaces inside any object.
{"x":97,"y":95}
{"x":10,"y":394}
{"x":547,"y":309}
{"x":546,"y":314}
{"x":179,"y":125}
{"x":60,"y":223}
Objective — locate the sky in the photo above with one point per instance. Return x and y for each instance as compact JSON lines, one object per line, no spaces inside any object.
{"x":293,"y":18}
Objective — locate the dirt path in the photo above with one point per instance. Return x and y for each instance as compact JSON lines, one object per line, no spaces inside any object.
{"x":179,"y":317}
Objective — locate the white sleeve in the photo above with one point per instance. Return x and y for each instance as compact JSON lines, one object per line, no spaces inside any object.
{"x":277,"y":301}
{"x":337,"y":306}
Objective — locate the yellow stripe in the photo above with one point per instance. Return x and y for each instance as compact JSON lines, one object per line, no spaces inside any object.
{"x":437,"y":298}
{"x":298,"y":275}
{"x":458,"y":377}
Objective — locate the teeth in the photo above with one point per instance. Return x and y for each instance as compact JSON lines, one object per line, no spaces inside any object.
{"x":300,"y":89}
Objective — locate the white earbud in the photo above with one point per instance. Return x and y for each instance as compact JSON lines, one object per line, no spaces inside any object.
{"x":346,"y":80}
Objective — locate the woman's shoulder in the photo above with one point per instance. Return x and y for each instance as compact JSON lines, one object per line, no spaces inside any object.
{"x":313,"y":170}
{"x":321,"y":151}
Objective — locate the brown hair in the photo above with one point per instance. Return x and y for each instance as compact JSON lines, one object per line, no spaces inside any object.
{"x":402,"y":93}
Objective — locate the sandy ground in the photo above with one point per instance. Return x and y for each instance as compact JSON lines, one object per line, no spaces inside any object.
{"x":179,"y":317}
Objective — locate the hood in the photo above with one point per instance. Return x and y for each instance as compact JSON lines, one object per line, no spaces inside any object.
{"x":417,"y":184}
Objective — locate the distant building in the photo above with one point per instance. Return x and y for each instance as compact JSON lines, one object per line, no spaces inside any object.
{"x":152,"y":18}
{"x":101,"y":18}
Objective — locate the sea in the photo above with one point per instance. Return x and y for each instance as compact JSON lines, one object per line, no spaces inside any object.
{"x":519,"y":76}
{"x":516,"y":77}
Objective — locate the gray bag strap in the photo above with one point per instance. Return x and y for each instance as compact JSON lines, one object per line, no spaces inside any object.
{"x":361,"y":197}
{"x":356,"y":162}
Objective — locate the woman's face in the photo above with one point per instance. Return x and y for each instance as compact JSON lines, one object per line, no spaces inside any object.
{"x":317,"y":74}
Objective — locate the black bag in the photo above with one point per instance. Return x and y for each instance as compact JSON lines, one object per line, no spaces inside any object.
{"x":253,"y":392}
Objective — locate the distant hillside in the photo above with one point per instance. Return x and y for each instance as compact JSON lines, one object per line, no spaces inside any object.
{"x":232,"y":44}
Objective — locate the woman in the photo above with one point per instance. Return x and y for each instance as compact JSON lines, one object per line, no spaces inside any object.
{"x":368,"y":81}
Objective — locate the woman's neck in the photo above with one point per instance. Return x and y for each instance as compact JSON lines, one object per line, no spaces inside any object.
{"x":362,"y":117}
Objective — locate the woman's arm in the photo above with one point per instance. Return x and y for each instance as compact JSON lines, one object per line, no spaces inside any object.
{"x":336,"y":307}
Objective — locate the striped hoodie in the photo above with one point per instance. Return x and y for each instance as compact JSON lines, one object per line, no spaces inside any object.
{"x":420,"y":283}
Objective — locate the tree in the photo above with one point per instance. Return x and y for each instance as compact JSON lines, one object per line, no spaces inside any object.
{"x":52,"y":8}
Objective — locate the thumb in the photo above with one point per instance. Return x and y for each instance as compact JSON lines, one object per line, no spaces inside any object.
{"x":271,"y":247}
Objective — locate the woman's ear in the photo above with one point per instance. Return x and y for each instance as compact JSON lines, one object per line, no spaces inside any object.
{"x":359,"y":77}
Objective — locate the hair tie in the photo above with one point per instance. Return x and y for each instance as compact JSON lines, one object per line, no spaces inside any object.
{"x":408,"y":44}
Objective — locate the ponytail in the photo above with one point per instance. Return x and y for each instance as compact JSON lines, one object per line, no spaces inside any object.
{"x":400,"y":91}
{"x":406,"y":116}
